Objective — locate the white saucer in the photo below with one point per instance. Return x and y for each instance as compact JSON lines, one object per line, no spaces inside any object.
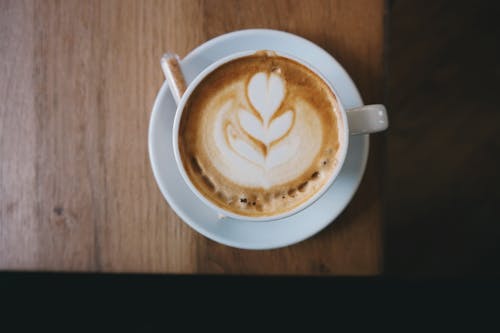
{"x":238,"y":233}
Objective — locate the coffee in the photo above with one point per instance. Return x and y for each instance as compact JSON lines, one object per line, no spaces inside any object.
{"x":260,"y":135}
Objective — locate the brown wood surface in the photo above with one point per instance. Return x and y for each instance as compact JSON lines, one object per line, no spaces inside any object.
{"x":77,"y":83}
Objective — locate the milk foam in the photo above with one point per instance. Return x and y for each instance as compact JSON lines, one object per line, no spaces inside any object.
{"x":260,"y":135}
{"x":256,"y":144}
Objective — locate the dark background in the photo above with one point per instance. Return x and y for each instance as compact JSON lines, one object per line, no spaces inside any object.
{"x":443,"y":189}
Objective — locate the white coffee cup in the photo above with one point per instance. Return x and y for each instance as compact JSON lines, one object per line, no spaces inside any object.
{"x":361,"y":120}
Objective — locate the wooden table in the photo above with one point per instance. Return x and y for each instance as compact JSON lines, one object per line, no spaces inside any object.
{"x":77,"y":83}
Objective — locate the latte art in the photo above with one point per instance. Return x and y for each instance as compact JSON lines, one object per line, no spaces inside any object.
{"x":259,"y":135}
{"x":258,"y":132}
{"x":265,"y":93}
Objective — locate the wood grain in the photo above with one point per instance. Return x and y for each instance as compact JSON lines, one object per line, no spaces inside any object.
{"x":78,"y":83}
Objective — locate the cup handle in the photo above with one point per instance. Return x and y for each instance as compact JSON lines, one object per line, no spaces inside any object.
{"x":170,"y":64}
{"x":367,"y":119}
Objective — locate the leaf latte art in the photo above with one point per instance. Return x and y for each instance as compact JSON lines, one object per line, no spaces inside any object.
{"x":260,"y":123}
{"x":259,"y":135}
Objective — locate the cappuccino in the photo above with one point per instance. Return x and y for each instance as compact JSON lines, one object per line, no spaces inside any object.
{"x":260,"y":135}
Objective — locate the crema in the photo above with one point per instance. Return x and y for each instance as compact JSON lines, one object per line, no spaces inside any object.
{"x":260,"y":135}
